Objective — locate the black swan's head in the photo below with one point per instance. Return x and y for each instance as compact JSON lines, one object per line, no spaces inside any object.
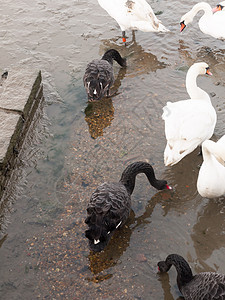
{"x":163,"y":267}
{"x":162,"y":185}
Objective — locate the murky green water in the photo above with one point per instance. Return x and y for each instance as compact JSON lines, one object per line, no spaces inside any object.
{"x":73,"y":146}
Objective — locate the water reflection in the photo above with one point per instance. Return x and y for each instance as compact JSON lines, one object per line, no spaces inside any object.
{"x":213,"y":56}
{"x":164,"y":280}
{"x":3,"y":239}
{"x":183,"y":178}
{"x":100,"y":114}
{"x":208,"y":233}
{"x":119,"y":242}
{"x":140,"y":61}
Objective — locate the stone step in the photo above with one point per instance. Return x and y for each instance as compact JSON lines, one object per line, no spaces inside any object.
{"x":20,"y":95}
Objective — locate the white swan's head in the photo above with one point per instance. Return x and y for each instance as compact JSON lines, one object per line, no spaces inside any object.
{"x":185,"y":20}
{"x":201,"y":68}
{"x":219,"y":7}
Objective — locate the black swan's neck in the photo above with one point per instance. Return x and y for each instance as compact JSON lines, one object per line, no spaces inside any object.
{"x":130,"y":173}
{"x":113,"y":54}
{"x":184,"y":273}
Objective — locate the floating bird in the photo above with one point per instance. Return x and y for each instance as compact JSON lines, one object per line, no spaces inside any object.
{"x":209,"y":23}
{"x":211,"y":178}
{"x":205,"y":285}
{"x":190,"y":122}
{"x":133,"y":14}
{"x":110,"y":204}
{"x":98,"y":77}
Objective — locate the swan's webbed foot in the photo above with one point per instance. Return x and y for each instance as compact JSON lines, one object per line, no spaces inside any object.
{"x":124,"y":38}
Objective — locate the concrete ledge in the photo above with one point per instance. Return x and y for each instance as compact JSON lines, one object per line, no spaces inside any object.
{"x":20,"y":96}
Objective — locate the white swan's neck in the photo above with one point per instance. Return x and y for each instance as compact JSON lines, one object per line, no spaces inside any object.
{"x":193,"y":90}
{"x":201,"y":6}
{"x":210,"y":148}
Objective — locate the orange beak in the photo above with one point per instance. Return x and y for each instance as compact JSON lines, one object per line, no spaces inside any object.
{"x":217,"y":8}
{"x":182,"y":26}
{"x":208,"y":72}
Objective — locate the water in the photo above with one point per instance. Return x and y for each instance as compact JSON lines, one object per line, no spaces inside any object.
{"x":73,"y":146}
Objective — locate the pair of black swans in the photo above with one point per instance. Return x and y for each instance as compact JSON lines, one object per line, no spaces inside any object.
{"x":109,"y":208}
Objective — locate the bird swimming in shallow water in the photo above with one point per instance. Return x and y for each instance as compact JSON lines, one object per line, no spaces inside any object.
{"x":211,"y":177}
{"x":209,"y":23}
{"x":205,"y":285}
{"x":133,"y":14}
{"x":110,"y":204}
{"x":98,"y":77}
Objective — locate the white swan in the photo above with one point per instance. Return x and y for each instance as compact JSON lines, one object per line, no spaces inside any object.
{"x":211,"y":178}
{"x":132,"y":14}
{"x":188,"y":123}
{"x":209,"y":23}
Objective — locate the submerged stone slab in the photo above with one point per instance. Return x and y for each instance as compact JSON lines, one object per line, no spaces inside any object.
{"x":20,"y":96}
{"x":8,"y":122}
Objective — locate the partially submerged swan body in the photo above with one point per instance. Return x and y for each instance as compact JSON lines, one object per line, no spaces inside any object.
{"x":98,"y":77}
{"x":205,"y":285}
{"x":209,"y":23}
{"x":110,"y":204}
{"x":190,"y":122}
{"x":134,"y":15}
{"x":211,"y":178}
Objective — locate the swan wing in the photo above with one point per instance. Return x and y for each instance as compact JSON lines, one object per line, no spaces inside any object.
{"x":215,"y":26}
{"x":109,"y":204}
{"x":217,"y":149}
{"x":187,"y":124}
{"x":206,"y":285}
{"x":132,"y":14}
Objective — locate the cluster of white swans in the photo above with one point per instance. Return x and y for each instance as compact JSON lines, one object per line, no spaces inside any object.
{"x":188,"y":123}
{"x":138,"y":15}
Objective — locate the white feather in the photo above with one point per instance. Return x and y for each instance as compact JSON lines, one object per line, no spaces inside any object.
{"x":132,"y":14}
{"x":211,"y":177}
{"x":188,"y":122}
{"x":209,"y":23}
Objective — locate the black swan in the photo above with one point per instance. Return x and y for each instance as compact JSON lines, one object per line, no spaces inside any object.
{"x":110,"y":204}
{"x":203,"y":286}
{"x":98,"y":77}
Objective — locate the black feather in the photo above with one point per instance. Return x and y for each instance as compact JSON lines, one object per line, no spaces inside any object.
{"x":98,"y":77}
{"x":110,"y":204}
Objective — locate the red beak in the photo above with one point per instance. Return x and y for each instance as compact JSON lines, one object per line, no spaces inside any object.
{"x":208,"y":72}
{"x":168,"y":187}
